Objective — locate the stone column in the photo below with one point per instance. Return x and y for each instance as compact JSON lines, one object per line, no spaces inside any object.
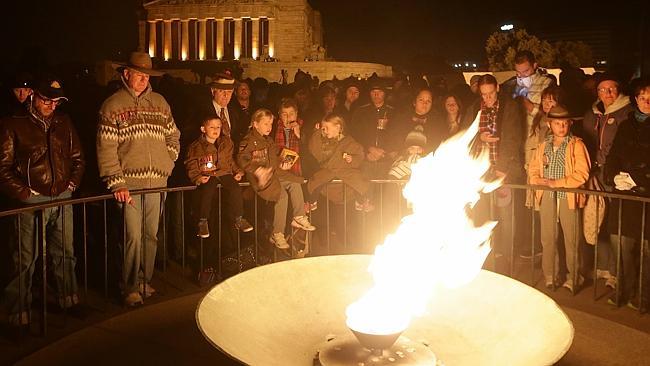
{"x":152,"y":38}
{"x":202,"y":39}
{"x":238,"y":43}
{"x":185,"y":39}
{"x":256,"y":37}
{"x":271,"y":37}
{"x":142,"y":35}
{"x":168,"y":40}
{"x":220,"y":31}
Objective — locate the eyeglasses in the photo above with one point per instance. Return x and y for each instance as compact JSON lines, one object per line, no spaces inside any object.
{"x":610,"y":90}
{"x":48,"y":101}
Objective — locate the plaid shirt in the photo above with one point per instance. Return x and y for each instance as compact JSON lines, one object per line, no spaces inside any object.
{"x":286,"y":139}
{"x":554,"y":160}
{"x":488,"y":123}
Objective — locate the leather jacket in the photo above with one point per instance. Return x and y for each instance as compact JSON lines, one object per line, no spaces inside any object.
{"x":47,"y":161}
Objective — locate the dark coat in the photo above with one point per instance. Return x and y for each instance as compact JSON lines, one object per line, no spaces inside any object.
{"x":257,"y":151}
{"x":511,"y":131}
{"x":31,"y":157}
{"x":630,"y":153}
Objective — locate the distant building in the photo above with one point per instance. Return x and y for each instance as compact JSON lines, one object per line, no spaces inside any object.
{"x":287,"y":32}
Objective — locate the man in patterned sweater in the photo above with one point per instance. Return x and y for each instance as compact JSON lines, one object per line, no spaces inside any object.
{"x":137,"y":144}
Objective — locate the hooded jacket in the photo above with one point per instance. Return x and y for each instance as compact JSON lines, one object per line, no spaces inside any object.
{"x":601,"y":124}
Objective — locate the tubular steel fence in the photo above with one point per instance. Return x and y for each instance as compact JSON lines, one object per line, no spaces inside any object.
{"x":340,"y":229}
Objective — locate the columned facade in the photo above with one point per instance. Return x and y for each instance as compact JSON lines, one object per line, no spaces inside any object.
{"x":231,"y":29}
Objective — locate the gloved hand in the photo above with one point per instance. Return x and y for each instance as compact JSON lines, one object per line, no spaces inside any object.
{"x":520,"y":91}
{"x":624,"y":182}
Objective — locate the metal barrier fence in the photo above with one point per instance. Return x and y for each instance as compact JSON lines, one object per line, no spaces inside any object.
{"x":335,"y":237}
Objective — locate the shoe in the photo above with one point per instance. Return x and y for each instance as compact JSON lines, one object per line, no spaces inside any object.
{"x":529,"y":255}
{"x":603,"y":273}
{"x":133,"y":299}
{"x":310,"y":207}
{"x":550,"y":284}
{"x":301,"y":222}
{"x":146,"y":290}
{"x":203,"y":230}
{"x":568,"y":284}
{"x":243,"y":225}
{"x":68,"y":301}
{"x":279,"y":241}
{"x":634,"y":305}
{"x":19,"y":319}
{"x":364,"y":206}
{"x":611,"y":282}
{"x":206,"y":277}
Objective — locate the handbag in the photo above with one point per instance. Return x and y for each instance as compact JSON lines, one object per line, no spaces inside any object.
{"x":593,"y":213}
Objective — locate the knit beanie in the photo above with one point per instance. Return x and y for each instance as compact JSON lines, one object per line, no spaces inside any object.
{"x":415,"y":138}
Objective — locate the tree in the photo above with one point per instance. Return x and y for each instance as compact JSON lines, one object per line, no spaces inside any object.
{"x":576,"y":54}
{"x":501,"y":48}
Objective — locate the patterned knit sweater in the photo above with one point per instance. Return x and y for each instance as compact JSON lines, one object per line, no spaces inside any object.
{"x":137,"y":140}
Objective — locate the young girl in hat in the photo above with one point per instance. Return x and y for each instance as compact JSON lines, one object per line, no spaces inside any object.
{"x":561,"y":161}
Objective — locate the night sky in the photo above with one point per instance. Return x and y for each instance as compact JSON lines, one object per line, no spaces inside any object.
{"x":387,"y":31}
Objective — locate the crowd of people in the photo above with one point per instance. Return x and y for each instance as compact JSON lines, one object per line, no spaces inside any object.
{"x":277,"y":136}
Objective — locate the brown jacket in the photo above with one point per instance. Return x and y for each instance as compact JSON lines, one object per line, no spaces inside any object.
{"x":334,"y":161}
{"x":47,"y":161}
{"x":220,"y":153}
{"x":257,"y":151}
{"x":576,"y":168}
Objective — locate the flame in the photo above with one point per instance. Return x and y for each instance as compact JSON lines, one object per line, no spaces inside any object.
{"x":438,"y":245}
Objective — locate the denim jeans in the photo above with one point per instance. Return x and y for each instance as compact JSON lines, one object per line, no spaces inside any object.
{"x":58,"y":241}
{"x":138,"y":252}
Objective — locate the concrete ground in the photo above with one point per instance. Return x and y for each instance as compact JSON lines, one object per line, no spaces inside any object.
{"x":164,"y":331}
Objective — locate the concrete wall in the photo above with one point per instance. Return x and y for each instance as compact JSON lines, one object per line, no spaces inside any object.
{"x":325,"y":70}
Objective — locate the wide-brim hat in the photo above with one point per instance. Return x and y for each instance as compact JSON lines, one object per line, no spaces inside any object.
{"x":559,"y":112}
{"x":50,"y":88}
{"x":222,"y":81}
{"x":138,"y":61}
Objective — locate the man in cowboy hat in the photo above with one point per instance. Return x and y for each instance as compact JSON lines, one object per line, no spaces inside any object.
{"x":41,"y":160}
{"x":137,"y":145}
{"x":221,"y":89}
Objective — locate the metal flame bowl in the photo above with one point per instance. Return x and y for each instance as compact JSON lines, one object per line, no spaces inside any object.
{"x":280,"y":313}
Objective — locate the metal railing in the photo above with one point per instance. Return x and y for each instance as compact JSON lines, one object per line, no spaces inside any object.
{"x":334,"y":237}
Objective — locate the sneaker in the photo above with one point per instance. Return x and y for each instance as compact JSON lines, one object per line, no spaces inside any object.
{"x":603,"y":273}
{"x":243,"y":225}
{"x":611,"y":282}
{"x":568,"y":284}
{"x":146,"y":290}
{"x":301,"y":222}
{"x":279,"y":241}
{"x":550,"y":284}
{"x":203,"y":230}
{"x":310,"y":207}
{"x":133,"y":299}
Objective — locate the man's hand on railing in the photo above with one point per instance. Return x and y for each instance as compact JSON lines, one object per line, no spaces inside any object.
{"x":123,"y":195}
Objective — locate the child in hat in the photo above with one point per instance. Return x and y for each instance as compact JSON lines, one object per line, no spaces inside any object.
{"x":414,"y":145}
{"x":561,"y":161}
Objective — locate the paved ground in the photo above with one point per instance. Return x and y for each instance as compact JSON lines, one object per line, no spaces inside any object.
{"x":163,"y":332}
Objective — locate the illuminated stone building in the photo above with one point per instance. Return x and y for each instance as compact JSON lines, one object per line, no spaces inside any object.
{"x":287,"y":32}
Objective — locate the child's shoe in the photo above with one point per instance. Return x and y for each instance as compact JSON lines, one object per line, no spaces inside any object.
{"x":243,"y":225}
{"x":203,"y":230}
{"x":279,"y":241}
{"x":301,"y":222}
